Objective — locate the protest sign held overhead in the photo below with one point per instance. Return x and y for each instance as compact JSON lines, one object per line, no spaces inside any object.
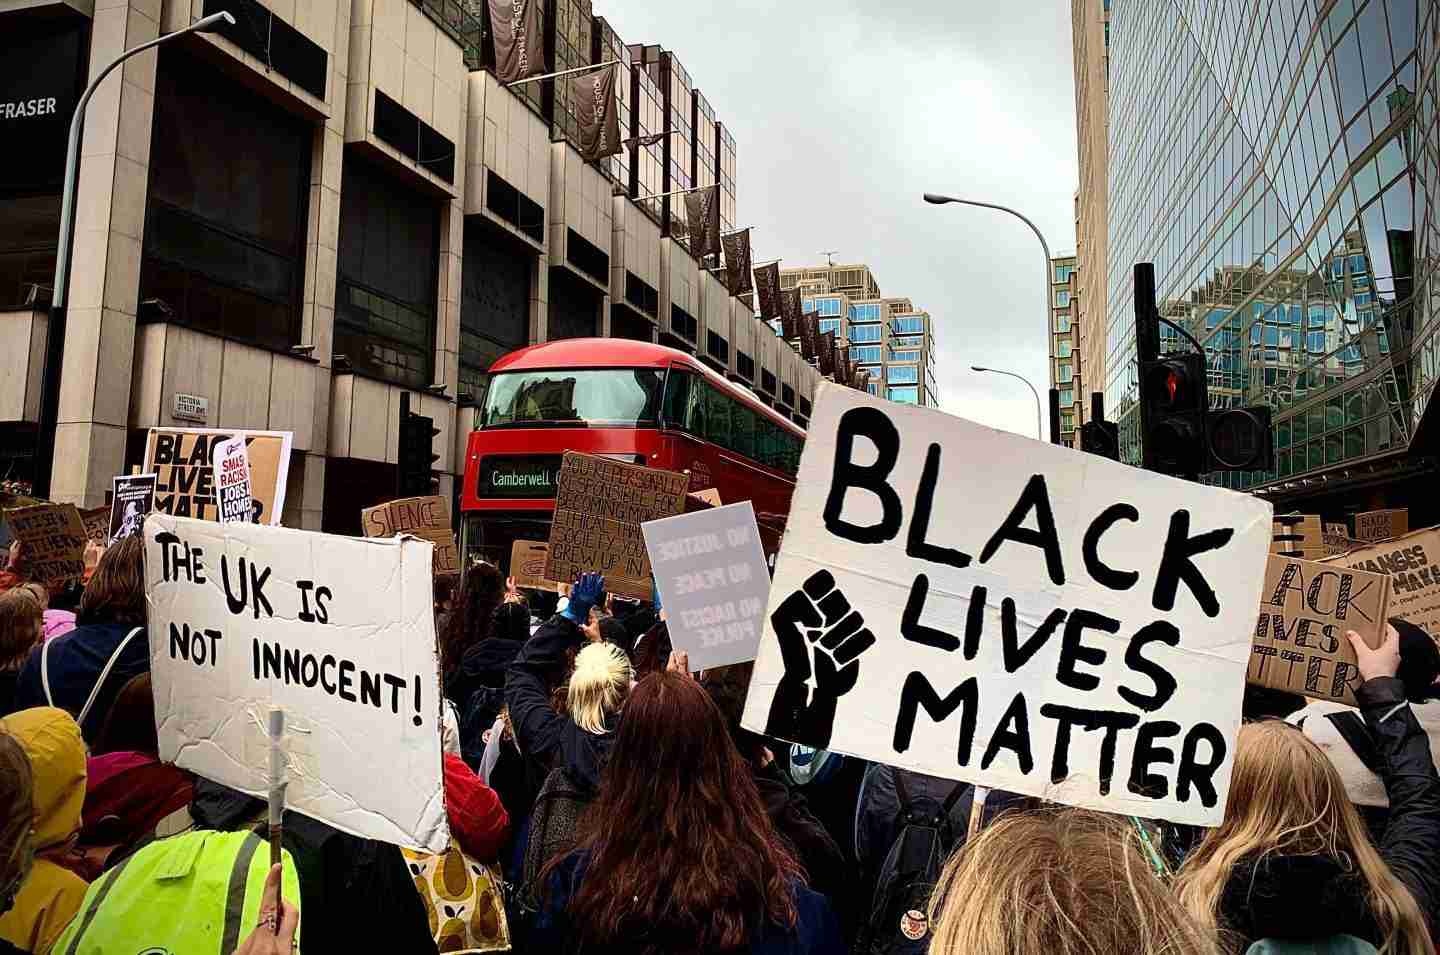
{"x":1382,"y":525}
{"x":97,"y":523}
{"x":181,"y":460}
{"x":599,"y":507}
{"x":132,"y":498}
{"x":53,"y":537}
{"x":1412,"y":563}
{"x":425,"y":517}
{"x":1305,"y":608}
{"x":232,"y":480}
{"x":338,"y":632}
{"x":713,"y":582}
{"x":527,"y":565}
{"x":1041,"y":621}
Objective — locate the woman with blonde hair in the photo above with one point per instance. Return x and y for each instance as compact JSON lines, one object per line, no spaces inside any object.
{"x":1061,"y":882}
{"x":1292,"y":860}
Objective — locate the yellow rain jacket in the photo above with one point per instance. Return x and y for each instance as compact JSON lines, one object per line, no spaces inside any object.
{"x":51,"y":895}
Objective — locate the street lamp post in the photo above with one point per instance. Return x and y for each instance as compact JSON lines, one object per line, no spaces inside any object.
{"x":55,"y":328}
{"x":1039,"y":414}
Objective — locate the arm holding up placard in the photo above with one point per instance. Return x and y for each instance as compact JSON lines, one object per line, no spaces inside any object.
{"x":1411,"y":844}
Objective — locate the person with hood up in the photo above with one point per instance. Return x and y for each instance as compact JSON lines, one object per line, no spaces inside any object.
{"x":1292,"y":860}
{"x":17,"y":819}
{"x":83,"y":671}
{"x":50,"y":895}
{"x":578,"y":740}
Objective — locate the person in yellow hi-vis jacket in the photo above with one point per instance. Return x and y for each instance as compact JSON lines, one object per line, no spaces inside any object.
{"x":197,"y":893}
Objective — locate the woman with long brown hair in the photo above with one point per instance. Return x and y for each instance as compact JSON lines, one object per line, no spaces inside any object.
{"x":677,"y":854}
{"x":82,"y":671}
{"x":1292,"y":859}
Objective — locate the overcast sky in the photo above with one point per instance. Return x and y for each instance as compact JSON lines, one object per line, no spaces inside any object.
{"x":845,"y":112}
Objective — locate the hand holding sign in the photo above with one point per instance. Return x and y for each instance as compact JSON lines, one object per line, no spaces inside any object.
{"x":817,"y":620}
{"x":1384,"y":660}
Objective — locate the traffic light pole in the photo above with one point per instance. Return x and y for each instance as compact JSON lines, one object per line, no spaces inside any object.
{"x":400,"y":483}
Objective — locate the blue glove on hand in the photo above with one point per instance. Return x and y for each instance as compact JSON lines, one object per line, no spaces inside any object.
{"x":584,"y":594}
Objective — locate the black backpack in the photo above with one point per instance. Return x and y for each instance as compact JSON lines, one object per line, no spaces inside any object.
{"x":907,"y":876}
{"x":552,"y":831}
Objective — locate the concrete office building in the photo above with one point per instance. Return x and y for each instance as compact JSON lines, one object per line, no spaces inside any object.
{"x":332,"y":203}
{"x":1065,"y":348}
{"x":888,"y":337}
{"x":1286,"y":191}
{"x":1090,"y":20}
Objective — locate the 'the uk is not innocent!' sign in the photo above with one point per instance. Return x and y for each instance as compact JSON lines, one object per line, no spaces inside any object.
{"x":969,"y":604}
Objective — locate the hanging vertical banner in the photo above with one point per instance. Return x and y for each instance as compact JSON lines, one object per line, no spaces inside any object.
{"x":232,"y":480}
{"x":959,"y":601}
{"x":767,"y":290}
{"x":827,"y":353}
{"x":702,"y":212}
{"x":790,"y":314}
{"x":809,"y":336}
{"x":737,"y":262}
{"x":594,"y":97}
{"x":515,"y":25}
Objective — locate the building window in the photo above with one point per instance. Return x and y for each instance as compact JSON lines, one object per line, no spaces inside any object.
{"x":1062,"y":298}
{"x":387,"y":270}
{"x":1062,"y":349}
{"x":1063,"y":273}
{"x":218,"y":258}
{"x":909,"y":341}
{"x":865,"y":353}
{"x":873,"y":388}
{"x":904,"y":356}
{"x":1062,"y":322}
{"x":1067,"y":421}
{"x":829,"y":325}
{"x":1064,"y":373}
{"x":902,"y":374}
{"x":908,"y":324}
{"x":867,"y":312}
{"x":494,"y":301}
{"x":1067,"y":396}
{"x":864,"y":333}
{"x":909,"y":396}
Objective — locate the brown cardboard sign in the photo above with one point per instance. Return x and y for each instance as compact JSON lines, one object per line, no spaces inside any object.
{"x":1382,"y":525}
{"x":425,"y":517}
{"x":599,"y":507}
{"x":1299,"y":535}
{"x":1305,"y":609}
{"x":97,"y":523}
{"x":180,"y":459}
{"x":1413,"y":564}
{"x":1337,"y":540}
{"x":53,"y":538}
{"x":527,"y":565}
{"x":710,"y":496}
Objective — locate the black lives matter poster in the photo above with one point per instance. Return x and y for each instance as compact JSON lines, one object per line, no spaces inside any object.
{"x":970,"y":604}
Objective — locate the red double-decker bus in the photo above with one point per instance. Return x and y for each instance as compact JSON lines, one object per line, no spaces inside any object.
{"x":631,"y":401}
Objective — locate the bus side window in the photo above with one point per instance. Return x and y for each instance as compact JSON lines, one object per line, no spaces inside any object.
{"x":719,"y":428}
{"x":745,"y":424}
{"x":681,"y":398}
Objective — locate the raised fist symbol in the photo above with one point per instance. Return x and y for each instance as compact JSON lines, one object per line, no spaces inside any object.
{"x":820,"y":638}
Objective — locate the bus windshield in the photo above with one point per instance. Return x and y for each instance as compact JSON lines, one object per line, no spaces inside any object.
{"x":604,"y":397}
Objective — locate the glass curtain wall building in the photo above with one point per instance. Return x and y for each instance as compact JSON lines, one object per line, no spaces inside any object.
{"x":1277,"y":164}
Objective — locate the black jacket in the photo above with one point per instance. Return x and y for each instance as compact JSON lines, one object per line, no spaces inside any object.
{"x":825,"y":865}
{"x":1310,"y":896}
{"x":547,"y":738}
{"x":76,"y":660}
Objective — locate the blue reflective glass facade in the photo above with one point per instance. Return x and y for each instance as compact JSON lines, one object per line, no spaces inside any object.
{"x":866,"y":312}
{"x":864,"y":333}
{"x":1279,"y":166}
{"x":907,"y":395}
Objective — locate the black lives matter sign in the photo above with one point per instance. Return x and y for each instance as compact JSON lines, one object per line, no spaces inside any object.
{"x":970,"y":604}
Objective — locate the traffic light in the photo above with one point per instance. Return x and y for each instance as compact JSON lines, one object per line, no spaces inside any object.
{"x":1240,"y":439}
{"x":1172,"y":413}
{"x":1102,"y":438}
{"x":416,"y":456}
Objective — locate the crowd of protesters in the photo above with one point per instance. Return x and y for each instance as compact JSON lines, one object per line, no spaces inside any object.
{"x":603,"y":798}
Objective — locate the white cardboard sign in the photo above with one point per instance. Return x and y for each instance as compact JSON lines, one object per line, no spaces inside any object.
{"x":713,"y":582}
{"x":232,"y":480}
{"x":336,"y":631}
{"x":969,"y":604}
